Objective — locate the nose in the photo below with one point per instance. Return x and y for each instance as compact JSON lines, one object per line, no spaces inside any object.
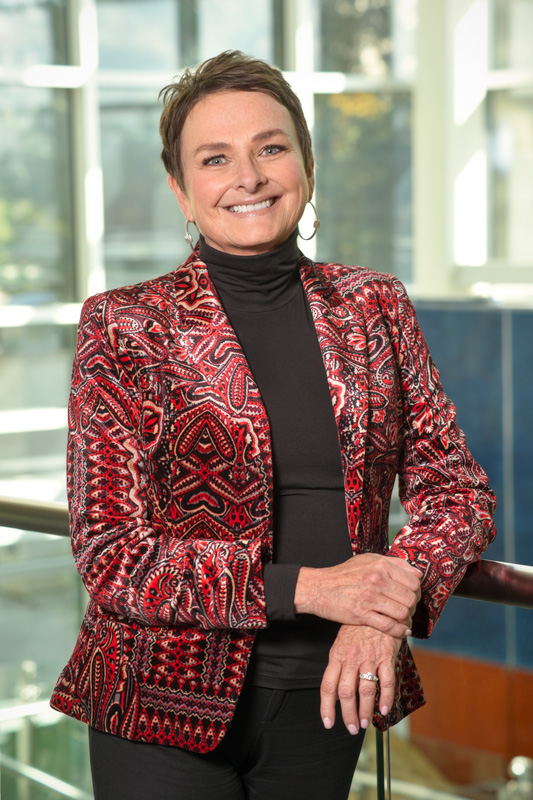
{"x":249,"y":174}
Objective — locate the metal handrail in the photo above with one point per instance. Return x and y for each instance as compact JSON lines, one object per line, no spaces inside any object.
{"x":34,"y":515}
{"x":498,"y":582}
{"x":491,"y":581}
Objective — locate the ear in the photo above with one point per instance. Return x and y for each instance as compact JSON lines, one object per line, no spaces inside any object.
{"x":181,"y":197}
{"x":311,"y":178}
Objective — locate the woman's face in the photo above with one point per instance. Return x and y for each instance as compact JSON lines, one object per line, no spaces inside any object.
{"x":245,"y":184}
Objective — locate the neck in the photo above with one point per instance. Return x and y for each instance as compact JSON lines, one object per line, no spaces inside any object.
{"x":254,"y":283}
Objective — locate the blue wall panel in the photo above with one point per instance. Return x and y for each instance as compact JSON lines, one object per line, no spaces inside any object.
{"x":466,"y":344}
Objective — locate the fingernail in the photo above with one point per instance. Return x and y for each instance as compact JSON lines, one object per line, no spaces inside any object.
{"x":364,"y":723}
{"x":327,"y":723}
{"x":352,"y":729}
{"x":408,"y":632}
{"x":384,"y":710}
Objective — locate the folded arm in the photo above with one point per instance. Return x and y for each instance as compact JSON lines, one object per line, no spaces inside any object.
{"x":443,"y":489}
{"x":128,"y":567}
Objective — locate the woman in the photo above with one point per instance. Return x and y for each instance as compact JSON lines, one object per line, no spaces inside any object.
{"x":236,"y":428}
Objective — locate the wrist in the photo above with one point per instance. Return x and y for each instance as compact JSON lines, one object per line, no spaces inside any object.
{"x":305,"y":590}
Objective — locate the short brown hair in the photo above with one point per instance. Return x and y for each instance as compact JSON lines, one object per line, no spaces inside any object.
{"x":230,"y":70}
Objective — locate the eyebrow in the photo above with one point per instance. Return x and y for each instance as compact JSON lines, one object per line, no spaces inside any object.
{"x":258,"y":137}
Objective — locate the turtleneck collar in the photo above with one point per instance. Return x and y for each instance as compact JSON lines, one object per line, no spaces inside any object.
{"x":254,"y":283}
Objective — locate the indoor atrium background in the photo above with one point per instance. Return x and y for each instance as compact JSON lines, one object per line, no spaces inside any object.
{"x":422,"y":121}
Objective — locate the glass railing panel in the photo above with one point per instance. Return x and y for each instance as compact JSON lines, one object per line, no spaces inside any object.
{"x":36,"y":750}
{"x":413,"y":775}
{"x":44,"y":754}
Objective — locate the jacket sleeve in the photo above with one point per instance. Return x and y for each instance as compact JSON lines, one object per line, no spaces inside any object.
{"x":129,"y":568}
{"x":443,"y":489}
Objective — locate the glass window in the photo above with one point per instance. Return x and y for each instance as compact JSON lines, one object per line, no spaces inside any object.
{"x":33,"y":32}
{"x":236,"y":25}
{"x":510,"y":123}
{"x":35,"y":368}
{"x":363,"y":153}
{"x":36,"y":247}
{"x":170,"y":35}
{"x":144,"y":227}
{"x":511,"y":32}
{"x":375,"y":38}
{"x":153,"y":28}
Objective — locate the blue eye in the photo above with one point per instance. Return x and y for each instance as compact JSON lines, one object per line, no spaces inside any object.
{"x":214,"y":161}
{"x":272,"y":149}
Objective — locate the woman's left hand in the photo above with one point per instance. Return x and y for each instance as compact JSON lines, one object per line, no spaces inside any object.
{"x":356,"y":650}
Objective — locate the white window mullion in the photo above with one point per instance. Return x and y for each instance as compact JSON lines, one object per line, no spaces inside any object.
{"x":89,"y":197}
{"x":302,"y":82}
{"x":431,"y":106}
{"x":468,"y":157}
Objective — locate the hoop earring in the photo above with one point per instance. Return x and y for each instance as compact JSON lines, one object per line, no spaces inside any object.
{"x":188,"y":236}
{"x":316,"y":225}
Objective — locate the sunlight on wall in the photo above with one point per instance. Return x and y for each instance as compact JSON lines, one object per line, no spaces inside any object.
{"x":470,"y":212}
{"x":471,"y":61}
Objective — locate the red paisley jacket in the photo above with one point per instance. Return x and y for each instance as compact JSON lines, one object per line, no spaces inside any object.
{"x":170,"y":490}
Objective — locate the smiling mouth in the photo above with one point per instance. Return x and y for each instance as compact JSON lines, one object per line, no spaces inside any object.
{"x":252,"y":206}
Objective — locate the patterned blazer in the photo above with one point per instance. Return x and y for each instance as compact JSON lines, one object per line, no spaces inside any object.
{"x":170,"y":490}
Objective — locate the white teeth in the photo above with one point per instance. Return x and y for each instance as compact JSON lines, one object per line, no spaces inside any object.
{"x":252,"y":206}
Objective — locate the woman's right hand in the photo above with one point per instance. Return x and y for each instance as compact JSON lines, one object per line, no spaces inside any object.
{"x":368,"y":589}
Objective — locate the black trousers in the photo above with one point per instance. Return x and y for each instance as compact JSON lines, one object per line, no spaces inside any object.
{"x":275,"y":749}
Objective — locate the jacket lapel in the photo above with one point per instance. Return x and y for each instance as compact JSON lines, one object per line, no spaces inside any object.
{"x":224,"y":378}
{"x":210,"y":342}
{"x":342,"y":337}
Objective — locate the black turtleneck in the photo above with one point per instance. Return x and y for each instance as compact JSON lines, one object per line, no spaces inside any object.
{"x":266,"y":306}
